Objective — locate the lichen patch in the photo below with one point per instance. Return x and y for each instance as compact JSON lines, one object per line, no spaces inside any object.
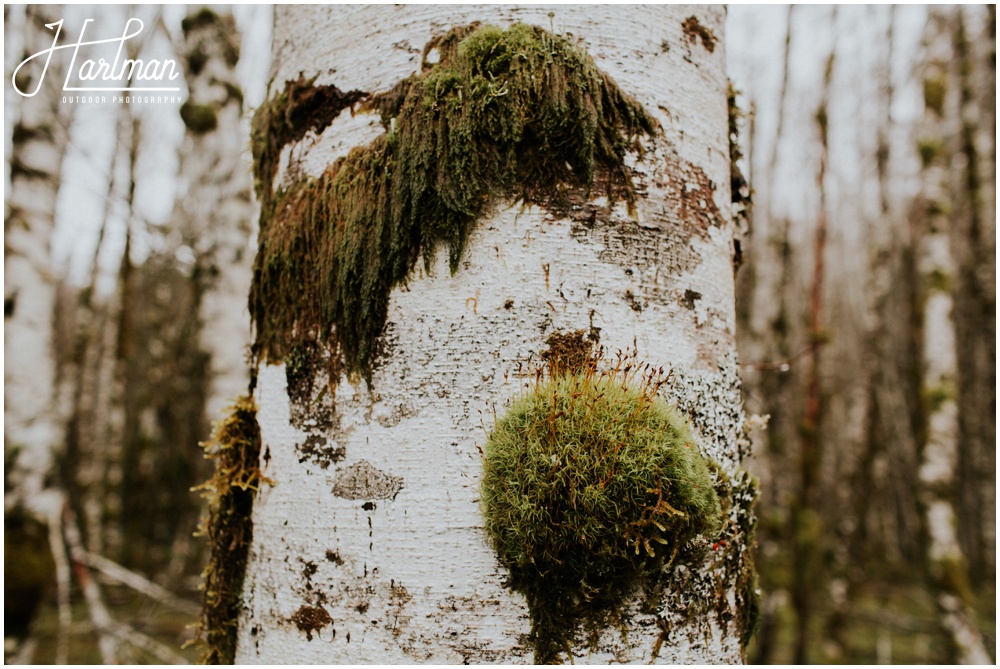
{"x":363,"y":481}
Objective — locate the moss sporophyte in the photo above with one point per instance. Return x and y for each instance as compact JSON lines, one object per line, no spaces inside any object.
{"x":502,"y":115}
{"x":592,"y":486}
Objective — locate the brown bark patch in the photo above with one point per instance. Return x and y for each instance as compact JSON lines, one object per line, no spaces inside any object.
{"x":694,"y":31}
{"x":318,"y":449}
{"x":309,"y":393}
{"x":311,"y":619}
{"x":570,"y":352}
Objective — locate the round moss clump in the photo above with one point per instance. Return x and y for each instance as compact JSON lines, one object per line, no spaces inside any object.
{"x":592,"y":485}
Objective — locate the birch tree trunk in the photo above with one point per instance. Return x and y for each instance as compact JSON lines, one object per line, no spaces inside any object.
{"x":214,"y":210}
{"x":31,"y":423}
{"x":370,"y":546}
{"x":944,"y":139}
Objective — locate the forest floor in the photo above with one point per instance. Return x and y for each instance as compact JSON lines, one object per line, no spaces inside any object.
{"x":172,"y":629}
{"x":885,"y":623}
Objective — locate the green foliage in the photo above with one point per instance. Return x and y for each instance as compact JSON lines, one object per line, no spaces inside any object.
{"x":235,"y":447}
{"x":503,"y":114}
{"x":592,"y":485}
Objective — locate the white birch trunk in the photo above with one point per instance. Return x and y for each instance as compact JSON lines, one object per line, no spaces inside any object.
{"x":376,"y":519}
{"x":31,"y":423}
{"x":940,"y":382}
{"x":214,"y":211}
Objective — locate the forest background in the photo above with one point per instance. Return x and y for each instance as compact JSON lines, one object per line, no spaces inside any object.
{"x":866,"y":307}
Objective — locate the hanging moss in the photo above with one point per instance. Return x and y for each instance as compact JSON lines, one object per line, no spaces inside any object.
{"x":503,"y":114}
{"x":235,"y":447}
{"x":297,"y":109}
{"x":592,"y":485}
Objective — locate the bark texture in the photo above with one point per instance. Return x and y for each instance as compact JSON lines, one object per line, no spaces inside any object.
{"x":370,"y":545}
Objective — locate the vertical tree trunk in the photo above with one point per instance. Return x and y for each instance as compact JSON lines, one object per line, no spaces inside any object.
{"x":943,"y":137}
{"x":370,"y":546}
{"x":214,"y":211}
{"x":31,"y":422}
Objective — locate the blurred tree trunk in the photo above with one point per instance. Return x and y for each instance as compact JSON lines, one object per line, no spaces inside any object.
{"x":973,"y":189}
{"x":187,"y":328}
{"x":370,"y":546}
{"x":948,"y":201}
{"x":214,"y":210}
{"x":870,"y":372}
{"x":31,"y":415}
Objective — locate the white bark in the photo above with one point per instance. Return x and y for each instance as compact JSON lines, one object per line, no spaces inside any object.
{"x":937,"y":270}
{"x":214,"y":211}
{"x":382,"y":529}
{"x":30,"y":420}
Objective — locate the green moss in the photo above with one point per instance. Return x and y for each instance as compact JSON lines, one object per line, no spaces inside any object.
{"x":934,"y":91}
{"x":939,"y":207}
{"x":197,"y":60}
{"x":504,"y":114}
{"x":939,"y":281}
{"x":233,"y":92}
{"x":199,"y":119}
{"x":592,"y":484}
{"x":930,"y":150}
{"x":936,"y":396}
{"x":235,"y":447}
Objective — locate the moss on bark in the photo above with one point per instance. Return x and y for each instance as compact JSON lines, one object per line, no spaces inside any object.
{"x":502,"y":114}
{"x":235,"y":447}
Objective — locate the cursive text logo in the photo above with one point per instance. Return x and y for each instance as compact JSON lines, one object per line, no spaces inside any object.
{"x":101,"y":75}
